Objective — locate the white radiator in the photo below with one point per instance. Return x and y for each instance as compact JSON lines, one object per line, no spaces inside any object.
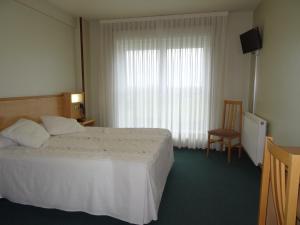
{"x":253,"y":137}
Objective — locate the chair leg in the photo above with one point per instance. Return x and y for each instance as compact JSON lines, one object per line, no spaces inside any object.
{"x":229,"y":152}
{"x":222,"y":144}
{"x":240,"y":151}
{"x":208,"y":145}
{"x":240,"y":147}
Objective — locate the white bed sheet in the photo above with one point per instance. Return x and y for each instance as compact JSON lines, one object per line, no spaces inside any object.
{"x":102,"y":171}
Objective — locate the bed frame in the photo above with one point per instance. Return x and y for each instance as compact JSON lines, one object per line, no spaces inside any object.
{"x":143,"y":206}
{"x":32,"y":107}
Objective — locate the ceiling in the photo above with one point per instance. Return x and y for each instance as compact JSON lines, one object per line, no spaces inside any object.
{"x":108,"y":9}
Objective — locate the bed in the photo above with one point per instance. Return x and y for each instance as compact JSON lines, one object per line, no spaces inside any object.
{"x":102,"y":171}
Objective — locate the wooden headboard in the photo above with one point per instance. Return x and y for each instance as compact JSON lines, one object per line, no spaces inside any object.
{"x":33,"y":107}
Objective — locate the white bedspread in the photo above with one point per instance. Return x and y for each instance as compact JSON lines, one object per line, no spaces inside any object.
{"x":102,"y":171}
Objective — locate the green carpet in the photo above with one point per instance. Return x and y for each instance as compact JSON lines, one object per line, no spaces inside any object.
{"x":199,"y":191}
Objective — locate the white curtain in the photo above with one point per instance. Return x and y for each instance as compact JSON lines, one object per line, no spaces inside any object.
{"x":163,"y":72}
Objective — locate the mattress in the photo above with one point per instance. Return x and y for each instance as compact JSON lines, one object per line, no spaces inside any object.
{"x":117,"y":172}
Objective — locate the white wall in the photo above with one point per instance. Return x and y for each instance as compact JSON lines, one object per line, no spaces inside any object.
{"x":36,"y":50}
{"x":278,"y":79}
{"x":237,"y":65}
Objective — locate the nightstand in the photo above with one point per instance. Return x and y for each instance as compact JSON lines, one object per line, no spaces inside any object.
{"x":87,"y":122}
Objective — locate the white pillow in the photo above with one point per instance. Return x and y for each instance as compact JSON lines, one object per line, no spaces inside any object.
{"x":56,"y":125}
{"x":6,"y":142}
{"x":27,"y":133}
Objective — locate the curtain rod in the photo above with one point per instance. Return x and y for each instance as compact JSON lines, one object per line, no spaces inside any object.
{"x":151,"y":18}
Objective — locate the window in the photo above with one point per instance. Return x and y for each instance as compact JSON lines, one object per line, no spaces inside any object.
{"x":163,"y":72}
{"x":160,"y":88}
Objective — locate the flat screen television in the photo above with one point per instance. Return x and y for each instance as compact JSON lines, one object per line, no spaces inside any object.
{"x":251,"y":40}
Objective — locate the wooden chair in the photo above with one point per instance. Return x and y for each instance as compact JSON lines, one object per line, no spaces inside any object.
{"x":281,"y":168}
{"x":231,"y":128}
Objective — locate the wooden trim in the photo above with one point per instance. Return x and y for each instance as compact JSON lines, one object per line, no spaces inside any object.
{"x":224,"y":115}
{"x":30,"y":107}
{"x":264,"y":187}
{"x":279,"y":162}
{"x":279,"y":153}
{"x":228,"y":101}
{"x":67,"y":104}
{"x":292,"y":191}
{"x":241,"y":119}
{"x":33,"y":107}
{"x":82,"y":54}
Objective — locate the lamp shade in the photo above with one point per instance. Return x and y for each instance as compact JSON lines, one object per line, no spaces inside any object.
{"x":75,"y":98}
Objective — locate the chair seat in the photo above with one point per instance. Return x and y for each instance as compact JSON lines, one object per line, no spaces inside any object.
{"x":227,"y":133}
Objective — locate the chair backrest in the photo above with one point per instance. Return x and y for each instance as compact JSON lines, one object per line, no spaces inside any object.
{"x":281,"y":168}
{"x":232,"y":115}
